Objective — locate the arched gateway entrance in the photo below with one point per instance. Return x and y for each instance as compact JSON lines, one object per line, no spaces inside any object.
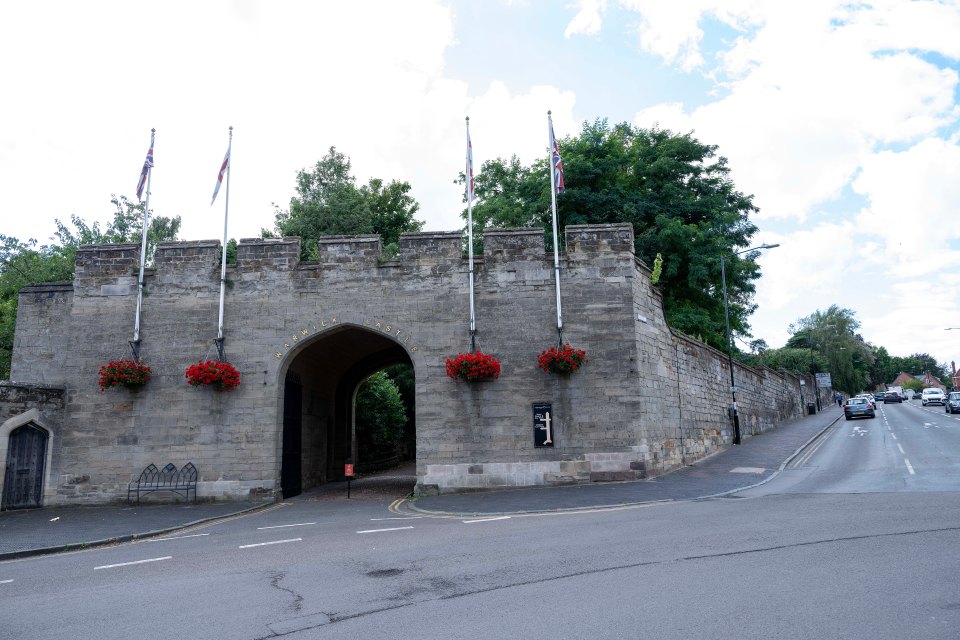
{"x":319,"y":388}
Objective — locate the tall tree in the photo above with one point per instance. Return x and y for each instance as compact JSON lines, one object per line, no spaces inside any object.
{"x":677,"y":193}
{"x":832,"y":333}
{"x":329,"y":202}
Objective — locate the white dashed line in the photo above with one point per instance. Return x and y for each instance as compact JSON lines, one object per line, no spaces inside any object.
{"x":486,"y":519}
{"x":893,"y":436}
{"x":901,"y":448}
{"x":5,"y":581}
{"x":264,"y":544}
{"x":127,"y":564}
{"x":283,"y":526}
{"x":398,"y":518}
{"x":909,"y":468}
{"x":379,"y":530}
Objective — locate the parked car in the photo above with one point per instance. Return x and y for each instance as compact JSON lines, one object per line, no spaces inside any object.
{"x":933,"y":396}
{"x":953,"y":402}
{"x":892,"y":396}
{"x":858,"y":408}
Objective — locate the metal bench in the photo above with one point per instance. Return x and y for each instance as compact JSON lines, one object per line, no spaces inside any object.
{"x":151,"y":480}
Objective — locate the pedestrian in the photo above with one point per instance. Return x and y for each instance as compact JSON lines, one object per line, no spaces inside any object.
{"x":839,"y":399}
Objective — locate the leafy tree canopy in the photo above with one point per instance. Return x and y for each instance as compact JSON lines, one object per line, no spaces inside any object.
{"x":329,"y":202}
{"x":381,"y":419}
{"x":677,"y":193}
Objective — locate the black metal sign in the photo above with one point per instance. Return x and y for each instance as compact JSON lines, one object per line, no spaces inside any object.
{"x":543,"y":423}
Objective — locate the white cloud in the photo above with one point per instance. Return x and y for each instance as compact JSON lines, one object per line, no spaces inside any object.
{"x":588,"y":19}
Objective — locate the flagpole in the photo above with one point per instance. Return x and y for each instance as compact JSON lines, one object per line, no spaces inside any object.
{"x":473,"y":320}
{"x":135,"y":344}
{"x":556,"y":243}
{"x":223,"y":259}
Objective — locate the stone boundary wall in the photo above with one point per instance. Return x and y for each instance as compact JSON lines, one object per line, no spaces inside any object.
{"x":649,"y":401}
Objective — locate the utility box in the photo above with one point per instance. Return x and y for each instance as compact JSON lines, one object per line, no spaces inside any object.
{"x":811,"y":408}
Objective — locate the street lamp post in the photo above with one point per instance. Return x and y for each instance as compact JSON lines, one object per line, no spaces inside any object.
{"x":726,"y":316}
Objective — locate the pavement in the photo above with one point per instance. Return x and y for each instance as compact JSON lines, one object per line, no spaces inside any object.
{"x":757,"y":460}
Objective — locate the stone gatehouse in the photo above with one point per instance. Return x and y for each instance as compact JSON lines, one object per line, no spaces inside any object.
{"x":306,"y":334}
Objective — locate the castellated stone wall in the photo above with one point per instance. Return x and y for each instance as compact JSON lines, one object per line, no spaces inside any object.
{"x":648,"y":401}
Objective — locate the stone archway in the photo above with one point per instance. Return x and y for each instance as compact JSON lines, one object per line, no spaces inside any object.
{"x":319,"y":388}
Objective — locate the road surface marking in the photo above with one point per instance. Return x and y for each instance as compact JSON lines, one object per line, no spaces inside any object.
{"x":893,"y":436}
{"x":486,"y":519}
{"x":901,"y":448}
{"x":264,"y":544}
{"x":194,"y":535}
{"x":281,"y":526}
{"x":755,"y":470}
{"x":127,"y":564}
{"x":379,"y":530}
{"x":909,"y":468}
{"x":397,"y":518}
{"x":5,"y":581}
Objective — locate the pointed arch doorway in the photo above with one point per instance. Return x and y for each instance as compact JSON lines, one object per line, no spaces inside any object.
{"x":320,"y":388}
{"x":25,"y":467}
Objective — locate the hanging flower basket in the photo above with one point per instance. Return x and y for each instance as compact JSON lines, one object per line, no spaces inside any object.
{"x":222,"y":376}
{"x":473,"y":367}
{"x":565,"y":359}
{"x":131,"y":374}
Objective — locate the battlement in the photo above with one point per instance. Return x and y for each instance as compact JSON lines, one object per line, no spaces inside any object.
{"x":115,"y":266}
{"x":349,"y":250}
{"x":596,"y":238}
{"x":276,"y":254}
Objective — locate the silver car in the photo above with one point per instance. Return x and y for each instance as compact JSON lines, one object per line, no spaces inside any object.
{"x":952,"y":403}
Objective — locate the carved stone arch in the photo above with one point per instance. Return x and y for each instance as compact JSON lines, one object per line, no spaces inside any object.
{"x":327,"y":368}
{"x":33,"y":418}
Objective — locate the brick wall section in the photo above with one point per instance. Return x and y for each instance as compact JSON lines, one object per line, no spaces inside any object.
{"x":648,"y":399}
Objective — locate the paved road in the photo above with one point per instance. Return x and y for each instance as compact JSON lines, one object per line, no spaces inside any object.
{"x":786,"y":564}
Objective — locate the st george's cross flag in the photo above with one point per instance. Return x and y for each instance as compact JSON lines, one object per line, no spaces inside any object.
{"x":223,"y":170}
{"x":147,"y":165}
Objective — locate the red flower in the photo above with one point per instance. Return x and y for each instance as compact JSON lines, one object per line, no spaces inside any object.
{"x":223,"y":376}
{"x":565,"y":359}
{"x":131,"y":374}
{"x":473,"y":367}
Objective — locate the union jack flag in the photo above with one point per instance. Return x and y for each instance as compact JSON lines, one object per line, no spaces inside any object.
{"x":147,"y":165}
{"x":557,"y":163}
{"x":469,"y":167}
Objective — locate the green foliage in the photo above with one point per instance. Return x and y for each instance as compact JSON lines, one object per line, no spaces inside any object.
{"x":657,"y":269}
{"x":329,"y":202}
{"x":913,"y":384}
{"x":380,"y":418}
{"x":842,"y":352}
{"x":126,"y":226}
{"x":675,"y":191}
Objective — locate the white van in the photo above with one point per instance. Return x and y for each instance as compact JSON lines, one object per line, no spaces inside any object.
{"x":932,"y":396}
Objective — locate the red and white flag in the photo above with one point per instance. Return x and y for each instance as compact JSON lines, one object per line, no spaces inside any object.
{"x":223,"y":169}
{"x":147,"y":165}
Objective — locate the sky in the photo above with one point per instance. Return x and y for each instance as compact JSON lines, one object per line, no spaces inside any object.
{"x":842,"y":119}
